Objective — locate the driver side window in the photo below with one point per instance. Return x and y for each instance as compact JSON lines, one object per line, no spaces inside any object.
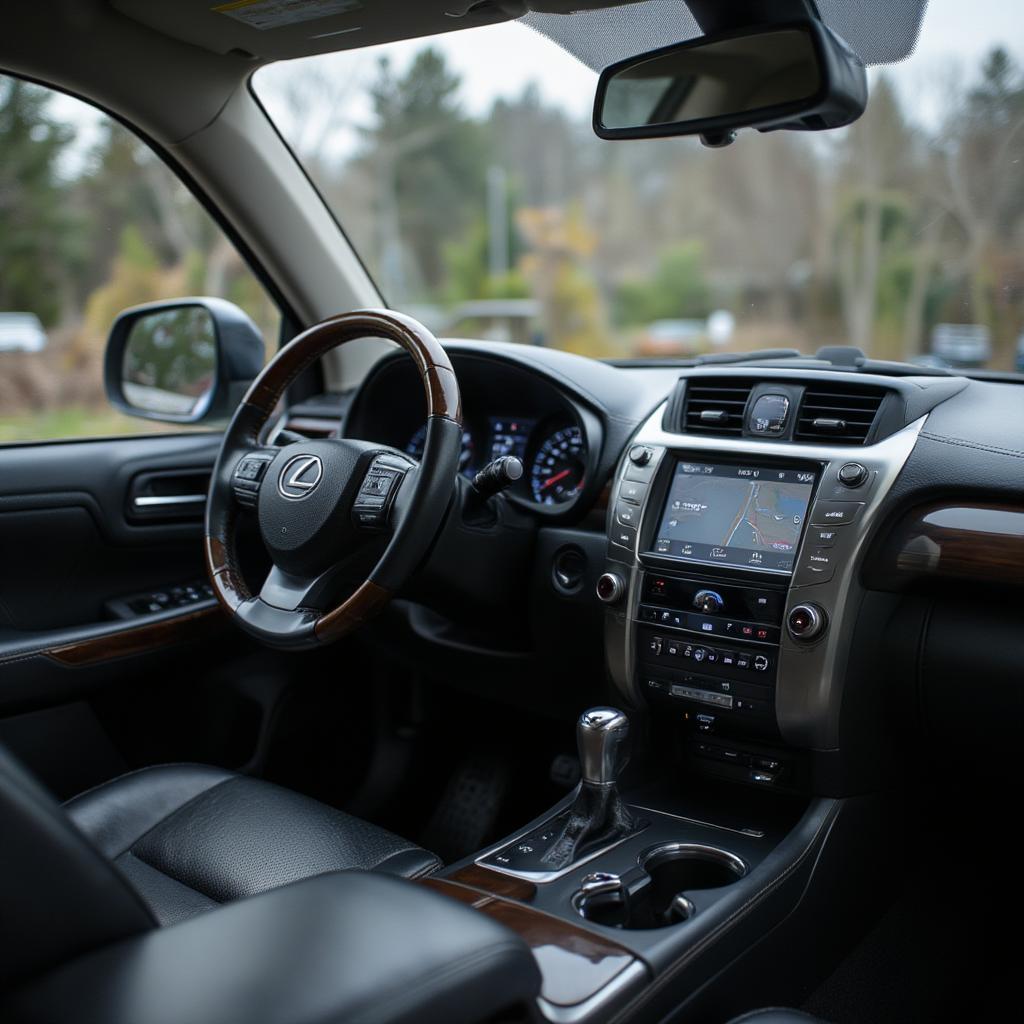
{"x":91,"y":221}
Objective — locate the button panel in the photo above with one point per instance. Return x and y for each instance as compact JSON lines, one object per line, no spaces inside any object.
{"x":709,"y":625}
{"x":835,"y":513}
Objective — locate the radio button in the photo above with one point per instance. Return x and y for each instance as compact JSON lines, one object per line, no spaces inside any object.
{"x":626,"y":514}
{"x":823,"y":536}
{"x":624,"y":536}
{"x":835,"y":513}
{"x":743,"y":661}
{"x":817,"y":566}
{"x":632,"y":491}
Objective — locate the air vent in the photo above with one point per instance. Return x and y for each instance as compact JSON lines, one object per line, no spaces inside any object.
{"x":714,"y":405}
{"x":838,"y":413}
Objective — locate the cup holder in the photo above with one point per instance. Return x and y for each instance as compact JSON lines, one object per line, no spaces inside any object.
{"x":657,"y":899}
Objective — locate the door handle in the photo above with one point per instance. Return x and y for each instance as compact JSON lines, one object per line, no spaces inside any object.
{"x":167,"y":500}
{"x":169,"y":494}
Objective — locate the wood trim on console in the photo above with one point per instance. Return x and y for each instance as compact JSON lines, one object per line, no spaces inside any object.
{"x":574,"y":963}
{"x":494,"y":883}
{"x":137,"y":639}
{"x":977,"y":541}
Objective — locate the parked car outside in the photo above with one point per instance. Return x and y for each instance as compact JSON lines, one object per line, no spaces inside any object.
{"x":21,"y":332}
{"x":962,"y":344}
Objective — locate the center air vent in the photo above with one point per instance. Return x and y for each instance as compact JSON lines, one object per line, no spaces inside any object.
{"x":838,"y":413}
{"x":714,"y":405}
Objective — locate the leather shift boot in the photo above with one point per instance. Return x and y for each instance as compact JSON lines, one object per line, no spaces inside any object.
{"x":596,"y":818}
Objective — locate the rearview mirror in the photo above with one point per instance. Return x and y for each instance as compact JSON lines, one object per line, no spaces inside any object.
{"x":798,"y":76}
{"x":184,"y":361}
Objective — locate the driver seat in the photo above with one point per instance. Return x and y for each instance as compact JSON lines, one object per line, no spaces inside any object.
{"x":188,"y":837}
{"x":161,"y":845}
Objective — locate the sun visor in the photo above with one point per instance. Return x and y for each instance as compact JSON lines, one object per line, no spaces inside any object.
{"x":878,"y":31}
{"x":280,"y":29}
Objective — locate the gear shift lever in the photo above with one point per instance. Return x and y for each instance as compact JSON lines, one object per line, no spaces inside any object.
{"x":601,"y":735}
{"x":597,"y":817}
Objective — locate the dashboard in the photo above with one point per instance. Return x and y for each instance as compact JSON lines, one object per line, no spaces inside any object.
{"x":786,"y":556}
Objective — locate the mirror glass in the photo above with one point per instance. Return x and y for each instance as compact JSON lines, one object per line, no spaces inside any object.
{"x":170,"y":361}
{"x":715,"y":79}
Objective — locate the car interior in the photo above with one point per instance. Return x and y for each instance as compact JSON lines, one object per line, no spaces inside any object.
{"x":387,"y":678}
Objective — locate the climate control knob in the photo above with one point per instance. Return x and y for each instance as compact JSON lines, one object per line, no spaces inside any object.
{"x":610,"y":587}
{"x":709,"y":602}
{"x":806,"y":622}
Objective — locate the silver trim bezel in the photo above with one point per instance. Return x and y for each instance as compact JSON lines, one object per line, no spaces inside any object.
{"x":809,"y":677}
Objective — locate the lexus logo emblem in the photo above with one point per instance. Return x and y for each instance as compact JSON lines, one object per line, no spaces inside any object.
{"x":300,"y":476}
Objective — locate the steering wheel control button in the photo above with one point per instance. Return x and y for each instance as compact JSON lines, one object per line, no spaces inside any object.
{"x":248,"y":475}
{"x":610,"y":589}
{"x":852,"y":474}
{"x":710,"y":602}
{"x":805,"y":622}
{"x":835,"y":513}
{"x":376,"y":492}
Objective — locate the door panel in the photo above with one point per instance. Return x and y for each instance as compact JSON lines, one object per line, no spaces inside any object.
{"x":78,"y":553}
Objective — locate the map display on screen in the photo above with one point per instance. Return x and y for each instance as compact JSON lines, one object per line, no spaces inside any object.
{"x":740,"y":516}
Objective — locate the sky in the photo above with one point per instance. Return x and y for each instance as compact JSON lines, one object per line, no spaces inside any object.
{"x":500,"y":60}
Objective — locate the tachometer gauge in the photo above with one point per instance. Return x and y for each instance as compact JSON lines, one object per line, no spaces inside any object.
{"x":419,"y":439}
{"x":556,"y":475}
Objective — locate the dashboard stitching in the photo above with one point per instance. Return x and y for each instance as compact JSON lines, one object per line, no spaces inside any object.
{"x":973,"y":444}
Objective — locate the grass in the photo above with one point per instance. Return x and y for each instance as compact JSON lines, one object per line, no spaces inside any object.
{"x":76,"y":423}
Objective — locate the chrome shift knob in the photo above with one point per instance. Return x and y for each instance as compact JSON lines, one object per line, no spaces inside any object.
{"x":601,"y":734}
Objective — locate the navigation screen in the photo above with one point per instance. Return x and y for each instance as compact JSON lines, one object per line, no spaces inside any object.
{"x":738,"y":516}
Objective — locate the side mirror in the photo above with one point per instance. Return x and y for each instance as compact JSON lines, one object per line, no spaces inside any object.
{"x":798,"y":76}
{"x":182,"y":361}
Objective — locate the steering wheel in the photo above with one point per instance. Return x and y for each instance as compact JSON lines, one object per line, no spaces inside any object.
{"x":328,"y":509}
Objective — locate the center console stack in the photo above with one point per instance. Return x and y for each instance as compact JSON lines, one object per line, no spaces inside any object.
{"x":736,"y":521}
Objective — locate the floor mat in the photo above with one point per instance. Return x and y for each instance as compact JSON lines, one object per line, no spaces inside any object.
{"x":464,"y":819}
{"x":939,"y":956}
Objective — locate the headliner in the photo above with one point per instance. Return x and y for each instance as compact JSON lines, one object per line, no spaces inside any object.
{"x":879,"y":31}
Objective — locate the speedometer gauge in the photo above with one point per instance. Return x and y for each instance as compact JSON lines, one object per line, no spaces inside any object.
{"x":556,"y":475}
{"x":419,"y":439}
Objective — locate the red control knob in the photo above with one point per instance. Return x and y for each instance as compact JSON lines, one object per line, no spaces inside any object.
{"x":806,"y":622}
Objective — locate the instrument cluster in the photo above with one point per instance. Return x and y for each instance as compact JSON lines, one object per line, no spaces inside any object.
{"x":552,"y":450}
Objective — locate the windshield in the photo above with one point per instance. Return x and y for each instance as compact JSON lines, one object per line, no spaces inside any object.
{"x":466,"y":174}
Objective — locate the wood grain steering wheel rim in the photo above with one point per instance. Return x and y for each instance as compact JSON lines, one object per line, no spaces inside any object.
{"x":427,"y":494}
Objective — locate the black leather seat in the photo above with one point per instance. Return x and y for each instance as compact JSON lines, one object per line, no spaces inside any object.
{"x":80,"y":942}
{"x":189,"y":837}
